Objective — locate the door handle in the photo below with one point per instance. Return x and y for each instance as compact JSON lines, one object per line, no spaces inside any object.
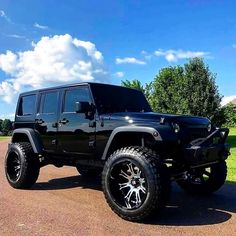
{"x":39,"y":121}
{"x":63,"y":121}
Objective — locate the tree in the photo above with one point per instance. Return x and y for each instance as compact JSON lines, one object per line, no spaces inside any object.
{"x":201,"y":91}
{"x":6,"y":126}
{"x":135,"y":84}
{"x":168,"y":94}
{"x":229,"y":115}
{"x":190,"y":90}
{"x":1,"y":124}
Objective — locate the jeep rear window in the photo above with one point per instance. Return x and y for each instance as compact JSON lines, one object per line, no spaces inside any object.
{"x":27,"y":105}
{"x":111,"y":99}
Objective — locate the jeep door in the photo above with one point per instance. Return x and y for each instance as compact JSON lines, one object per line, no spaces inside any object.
{"x":46,"y":119}
{"x":76,"y":132}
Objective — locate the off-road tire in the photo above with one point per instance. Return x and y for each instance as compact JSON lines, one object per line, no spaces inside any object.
{"x":28,"y":165}
{"x":215,"y":181}
{"x":157,"y":177}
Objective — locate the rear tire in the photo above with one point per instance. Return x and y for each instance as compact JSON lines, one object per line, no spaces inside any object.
{"x":135,"y":183}
{"x":204,"y":181}
{"x":21,"y":166}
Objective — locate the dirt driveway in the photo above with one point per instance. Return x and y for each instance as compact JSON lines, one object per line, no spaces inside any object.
{"x":64,"y":203}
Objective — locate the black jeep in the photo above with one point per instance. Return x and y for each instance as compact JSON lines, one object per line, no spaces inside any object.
{"x":112,"y":131}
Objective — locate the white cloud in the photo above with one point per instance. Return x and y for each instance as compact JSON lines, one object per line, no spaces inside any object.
{"x":175,"y":55}
{"x":129,"y":60}
{"x":227,"y":99}
{"x":52,"y":60}
{"x":146,"y":55}
{"x":16,"y":36}
{"x":9,"y":116}
{"x":234,"y":45}
{"x":119,"y":74}
{"x":3,"y":15}
{"x":40,"y":26}
{"x":8,"y":91}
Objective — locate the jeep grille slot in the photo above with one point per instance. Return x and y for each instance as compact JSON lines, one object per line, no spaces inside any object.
{"x":190,"y":134}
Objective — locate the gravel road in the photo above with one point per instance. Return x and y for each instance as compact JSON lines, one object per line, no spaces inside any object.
{"x":64,"y":203}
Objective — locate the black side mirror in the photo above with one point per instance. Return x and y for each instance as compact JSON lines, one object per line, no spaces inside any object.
{"x":82,"y":107}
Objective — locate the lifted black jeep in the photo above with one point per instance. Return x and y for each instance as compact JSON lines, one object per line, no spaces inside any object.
{"x":112,"y":130}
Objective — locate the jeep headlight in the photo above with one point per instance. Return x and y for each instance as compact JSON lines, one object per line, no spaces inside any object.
{"x":176,"y":127}
{"x":209,"y":127}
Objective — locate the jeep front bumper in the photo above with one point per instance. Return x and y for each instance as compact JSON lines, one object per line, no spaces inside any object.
{"x":207,"y":150}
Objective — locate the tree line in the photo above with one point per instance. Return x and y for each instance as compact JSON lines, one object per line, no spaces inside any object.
{"x":189,"y":89}
{"x":5,"y":127}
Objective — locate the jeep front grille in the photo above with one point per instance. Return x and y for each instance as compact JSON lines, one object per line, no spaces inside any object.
{"x":191,"y":134}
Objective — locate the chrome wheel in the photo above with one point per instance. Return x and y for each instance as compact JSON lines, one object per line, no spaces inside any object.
{"x":128,"y":185}
{"x":13,"y":166}
{"x":135,"y":183}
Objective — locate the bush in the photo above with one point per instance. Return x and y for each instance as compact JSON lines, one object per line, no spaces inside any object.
{"x":229,"y":115}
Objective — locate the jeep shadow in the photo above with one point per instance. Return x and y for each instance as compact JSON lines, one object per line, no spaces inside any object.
{"x":182,"y":210}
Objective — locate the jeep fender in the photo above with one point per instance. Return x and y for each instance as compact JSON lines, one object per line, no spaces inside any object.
{"x":130,"y":129}
{"x":29,"y":134}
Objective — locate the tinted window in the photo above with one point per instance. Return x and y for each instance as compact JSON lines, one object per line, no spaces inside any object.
{"x":73,"y":96}
{"x":49,"y":101}
{"x":111,"y":99}
{"x":27,"y":105}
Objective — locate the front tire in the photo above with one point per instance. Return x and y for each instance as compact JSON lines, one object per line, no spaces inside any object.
{"x":204,"y":181}
{"x":135,"y":183}
{"x":21,"y":166}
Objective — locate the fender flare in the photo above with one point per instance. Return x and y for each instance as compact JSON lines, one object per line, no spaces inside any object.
{"x":33,"y":137}
{"x":131,"y":129}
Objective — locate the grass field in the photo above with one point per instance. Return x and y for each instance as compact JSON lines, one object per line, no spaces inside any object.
{"x":3,"y":138}
{"x":231,"y":162}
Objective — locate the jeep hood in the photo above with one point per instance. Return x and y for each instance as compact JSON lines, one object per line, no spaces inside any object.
{"x":146,"y":117}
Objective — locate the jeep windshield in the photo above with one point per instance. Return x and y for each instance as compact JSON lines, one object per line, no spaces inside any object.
{"x":110,"y":99}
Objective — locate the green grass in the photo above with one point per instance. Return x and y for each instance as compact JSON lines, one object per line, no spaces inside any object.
{"x":4,"y":138}
{"x":231,"y":162}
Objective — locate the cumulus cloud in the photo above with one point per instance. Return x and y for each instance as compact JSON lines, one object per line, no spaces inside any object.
{"x":227,"y":99}
{"x":36,"y":25}
{"x":129,"y":60}
{"x":52,"y":60}
{"x":175,"y":55}
{"x":119,"y":74}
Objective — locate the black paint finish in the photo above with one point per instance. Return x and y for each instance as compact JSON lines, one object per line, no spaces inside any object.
{"x":116,"y":117}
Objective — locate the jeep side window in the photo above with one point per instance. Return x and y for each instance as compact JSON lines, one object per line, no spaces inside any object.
{"x":75,"y":95}
{"x":27,"y":105}
{"x":49,"y":103}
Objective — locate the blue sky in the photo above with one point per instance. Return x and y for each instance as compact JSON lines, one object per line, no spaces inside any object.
{"x":43,"y":43}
